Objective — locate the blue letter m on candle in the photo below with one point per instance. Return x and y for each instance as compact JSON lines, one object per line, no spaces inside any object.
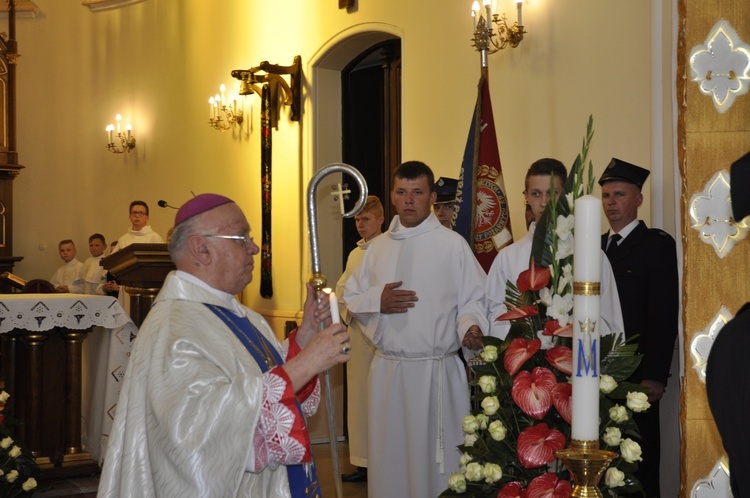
{"x":589,"y":365}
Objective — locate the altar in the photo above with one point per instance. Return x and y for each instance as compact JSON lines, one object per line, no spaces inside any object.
{"x":63,"y":358}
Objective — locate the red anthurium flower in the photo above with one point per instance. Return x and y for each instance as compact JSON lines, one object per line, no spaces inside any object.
{"x":537,"y":446}
{"x":535,"y":278}
{"x":517,"y":313}
{"x":561,"y":398}
{"x":548,"y":486}
{"x":561,"y":357}
{"x":553,"y":328}
{"x":512,"y":490}
{"x":532,"y":392}
{"x":518,"y":352}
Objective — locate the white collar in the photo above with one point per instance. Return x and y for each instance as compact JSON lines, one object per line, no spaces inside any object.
{"x":227,"y":299}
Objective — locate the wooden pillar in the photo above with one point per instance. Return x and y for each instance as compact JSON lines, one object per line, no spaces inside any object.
{"x":73,"y":353}
{"x":30,"y":406}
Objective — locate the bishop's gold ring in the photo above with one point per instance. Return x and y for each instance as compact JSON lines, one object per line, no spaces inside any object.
{"x":346,"y":348}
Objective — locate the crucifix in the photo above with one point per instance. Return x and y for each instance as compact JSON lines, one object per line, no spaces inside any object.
{"x":341,"y":193}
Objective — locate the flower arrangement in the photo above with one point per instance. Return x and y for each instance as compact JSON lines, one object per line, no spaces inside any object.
{"x":522,"y":395}
{"x":18,"y":470}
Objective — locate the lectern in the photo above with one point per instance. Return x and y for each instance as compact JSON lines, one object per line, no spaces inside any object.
{"x":141,"y":269}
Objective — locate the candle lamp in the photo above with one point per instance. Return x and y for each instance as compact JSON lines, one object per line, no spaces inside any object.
{"x":485,"y":39}
{"x":222,"y":117}
{"x":127,"y":140}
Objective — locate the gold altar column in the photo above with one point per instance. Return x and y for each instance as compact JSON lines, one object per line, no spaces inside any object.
{"x":708,"y":141}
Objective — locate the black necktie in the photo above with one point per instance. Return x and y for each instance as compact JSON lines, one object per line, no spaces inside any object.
{"x":613,"y":240}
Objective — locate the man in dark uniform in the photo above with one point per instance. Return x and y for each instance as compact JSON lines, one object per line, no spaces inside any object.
{"x":445,"y":188}
{"x":644,"y":261}
{"x":727,"y":375}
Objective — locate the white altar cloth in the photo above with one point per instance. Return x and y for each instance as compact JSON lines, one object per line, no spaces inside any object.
{"x":105,"y":351}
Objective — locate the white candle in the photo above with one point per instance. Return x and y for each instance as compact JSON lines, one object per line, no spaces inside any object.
{"x":335,"y":317}
{"x":129,"y":129}
{"x":488,"y":8}
{"x":222,"y":89}
{"x":519,"y":3}
{"x":474,"y":19}
{"x":110,"y":128}
{"x":210,"y":108}
{"x":118,"y":118}
{"x":587,"y":268}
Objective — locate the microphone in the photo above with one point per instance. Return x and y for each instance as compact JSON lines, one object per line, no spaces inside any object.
{"x":165,"y":204}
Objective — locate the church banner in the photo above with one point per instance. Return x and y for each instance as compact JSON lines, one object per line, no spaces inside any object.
{"x":482,"y":215}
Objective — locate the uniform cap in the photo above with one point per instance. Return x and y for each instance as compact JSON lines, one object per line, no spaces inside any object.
{"x":445,"y":188}
{"x":621,"y":171}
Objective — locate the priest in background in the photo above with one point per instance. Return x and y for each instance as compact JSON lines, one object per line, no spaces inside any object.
{"x":369,"y":225}
{"x":209,"y":405}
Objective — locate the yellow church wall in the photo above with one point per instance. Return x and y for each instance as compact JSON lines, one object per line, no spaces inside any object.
{"x":157,"y":62}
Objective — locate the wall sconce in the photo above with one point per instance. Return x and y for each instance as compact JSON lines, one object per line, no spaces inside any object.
{"x":281,"y":91}
{"x":485,"y":40}
{"x":223,"y":117}
{"x":126,"y":139}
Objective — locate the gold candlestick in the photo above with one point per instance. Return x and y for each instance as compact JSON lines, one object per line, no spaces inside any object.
{"x":586,"y":463}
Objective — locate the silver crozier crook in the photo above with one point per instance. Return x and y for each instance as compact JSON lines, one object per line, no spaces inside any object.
{"x":318,"y":281}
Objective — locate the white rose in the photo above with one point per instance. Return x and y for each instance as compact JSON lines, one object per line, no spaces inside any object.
{"x":5,"y":443}
{"x":630,"y":451}
{"x":470,"y":424}
{"x":470,"y":439}
{"x":29,"y":484}
{"x":12,"y":476}
{"x":618,"y":414}
{"x":483,"y":421}
{"x":474,"y":472}
{"x":497,"y":430}
{"x":465,"y":459}
{"x":607,"y":384}
{"x":490,"y":405}
{"x":492,"y":472}
{"x":457,"y":483}
{"x":638,"y":402}
{"x":15,"y":452}
{"x":614,"y":477}
{"x":612,"y":436}
{"x":487,"y":383}
{"x":4,"y":397}
{"x":489,"y":353}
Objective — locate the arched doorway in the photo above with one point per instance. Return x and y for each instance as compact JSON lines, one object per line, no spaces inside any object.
{"x":323,"y":129}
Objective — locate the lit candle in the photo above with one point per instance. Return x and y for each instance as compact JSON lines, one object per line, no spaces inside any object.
{"x":110,"y":128}
{"x":210,"y":108}
{"x":129,"y":129}
{"x":335,"y":317}
{"x":587,"y":268}
{"x":118,"y":118}
{"x":519,"y":4}
{"x":222,"y":89}
{"x":475,"y":13}
{"x":488,"y":8}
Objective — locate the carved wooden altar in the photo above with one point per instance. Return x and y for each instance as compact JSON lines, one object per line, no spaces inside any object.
{"x":9,"y":167}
